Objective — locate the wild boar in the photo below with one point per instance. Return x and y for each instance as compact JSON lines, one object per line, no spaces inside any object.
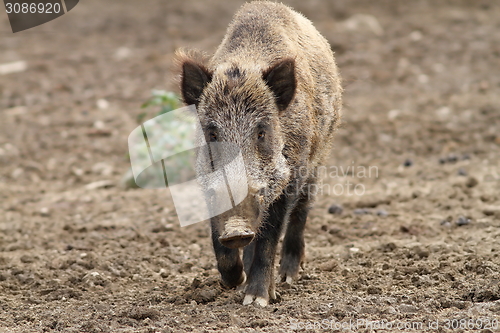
{"x":273,"y":89}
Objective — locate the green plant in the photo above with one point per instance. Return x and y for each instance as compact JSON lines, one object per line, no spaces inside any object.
{"x":175,"y":136}
{"x":165,"y":100}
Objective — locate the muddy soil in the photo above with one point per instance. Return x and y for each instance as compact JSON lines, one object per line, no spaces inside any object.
{"x":404,"y":237}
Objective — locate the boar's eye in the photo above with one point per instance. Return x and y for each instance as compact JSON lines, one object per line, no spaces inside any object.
{"x":212,"y":137}
{"x":261,"y":135}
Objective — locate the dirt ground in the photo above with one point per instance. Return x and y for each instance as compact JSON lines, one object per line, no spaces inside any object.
{"x":415,"y":169}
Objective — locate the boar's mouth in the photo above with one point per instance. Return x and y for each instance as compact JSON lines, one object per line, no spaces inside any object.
{"x":237,"y":233}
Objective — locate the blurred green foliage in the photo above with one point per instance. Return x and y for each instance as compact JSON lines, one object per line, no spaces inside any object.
{"x":164,"y":100}
{"x":176,"y":134}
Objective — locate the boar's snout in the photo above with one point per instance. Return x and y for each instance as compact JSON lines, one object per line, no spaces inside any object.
{"x":237,"y":233}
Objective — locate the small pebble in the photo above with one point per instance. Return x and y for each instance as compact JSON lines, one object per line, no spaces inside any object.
{"x":163,"y":273}
{"x":329,"y":265}
{"x":44,"y":211}
{"x":462,"y":220}
{"x":27,"y":259}
{"x":99,"y":124}
{"x":471,"y":182}
{"x":373,"y":290}
{"x":335,"y":209}
{"x":408,"y":163}
{"x":361,"y":211}
{"x":13,"y":67}
{"x":445,"y":223}
{"x":462,"y":172}
{"x":382,"y":213}
{"x":102,"y":104}
{"x":391,"y":310}
{"x":452,"y":158}
{"x":406,"y":308}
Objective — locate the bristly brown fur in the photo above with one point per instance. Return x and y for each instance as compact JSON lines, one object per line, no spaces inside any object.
{"x":273,"y":89}
{"x":183,"y":56}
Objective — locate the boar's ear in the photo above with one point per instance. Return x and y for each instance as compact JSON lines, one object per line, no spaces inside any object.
{"x":281,"y":79}
{"x":194,"y":78}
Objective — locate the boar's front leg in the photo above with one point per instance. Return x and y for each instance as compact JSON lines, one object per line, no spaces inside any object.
{"x":248,"y":253}
{"x":260,"y":283}
{"x":228,"y":261}
{"x":292,"y":252}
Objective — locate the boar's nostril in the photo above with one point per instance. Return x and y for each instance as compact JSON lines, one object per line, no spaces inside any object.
{"x":237,"y":241}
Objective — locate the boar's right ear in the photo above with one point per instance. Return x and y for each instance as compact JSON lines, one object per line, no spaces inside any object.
{"x":281,"y":79}
{"x":194,"y":76}
{"x":194,"y":79}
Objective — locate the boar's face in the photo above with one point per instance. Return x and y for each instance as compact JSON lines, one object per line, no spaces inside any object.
{"x":239,"y":110}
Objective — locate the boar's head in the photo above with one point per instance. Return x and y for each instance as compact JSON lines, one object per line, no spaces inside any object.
{"x":241,"y":103}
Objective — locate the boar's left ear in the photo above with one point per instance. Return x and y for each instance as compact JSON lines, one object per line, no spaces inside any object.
{"x":281,"y":79}
{"x":194,"y":79}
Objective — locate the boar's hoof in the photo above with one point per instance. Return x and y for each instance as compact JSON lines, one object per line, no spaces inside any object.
{"x":237,"y":238}
{"x":237,"y":234}
{"x":260,"y":301}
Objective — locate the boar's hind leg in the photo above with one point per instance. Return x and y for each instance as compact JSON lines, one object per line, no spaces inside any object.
{"x":292,"y":252}
{"x":228,"y":262}
{"x":260,"y":283}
